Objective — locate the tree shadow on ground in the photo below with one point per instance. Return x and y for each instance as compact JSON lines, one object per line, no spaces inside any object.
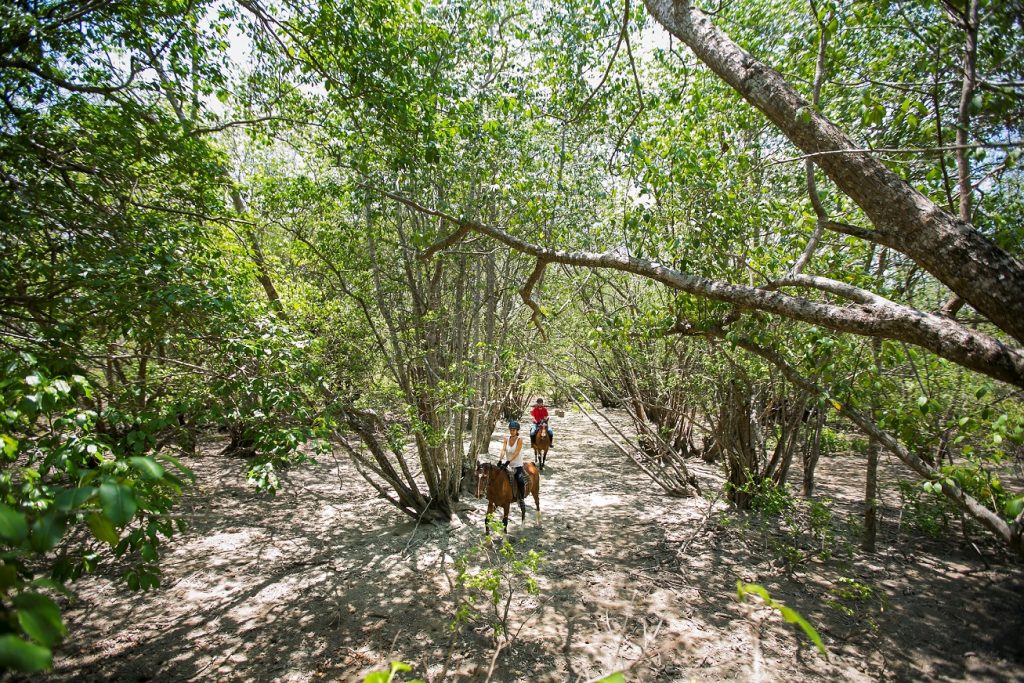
{"x":327,"y":582}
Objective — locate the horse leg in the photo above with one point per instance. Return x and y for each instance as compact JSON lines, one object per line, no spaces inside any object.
{"x":505,"y":518}
{"x":487,"y":517}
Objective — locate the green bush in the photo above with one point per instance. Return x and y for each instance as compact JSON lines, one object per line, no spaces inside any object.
{"x":859,"y":601}
{"x":924,"y":511}
{"x":65,"y":466}
{"x":489,"y":578}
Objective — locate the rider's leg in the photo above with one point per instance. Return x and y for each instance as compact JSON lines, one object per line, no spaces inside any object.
{"x":521,"y":480}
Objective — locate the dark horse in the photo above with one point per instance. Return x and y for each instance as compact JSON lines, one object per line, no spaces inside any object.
{"x":493,"y":481}
{"x":541,"y":444}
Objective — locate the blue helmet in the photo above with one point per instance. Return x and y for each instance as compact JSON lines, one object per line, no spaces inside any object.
{"x":513,"y":425}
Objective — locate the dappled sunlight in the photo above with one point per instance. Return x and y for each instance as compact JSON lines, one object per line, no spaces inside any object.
{"x":259,"y":591}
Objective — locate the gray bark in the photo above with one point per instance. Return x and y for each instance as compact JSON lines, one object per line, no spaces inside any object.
{"x":1011,"y":534}
{"x":870,"y":315}
{"x":987,"y":277}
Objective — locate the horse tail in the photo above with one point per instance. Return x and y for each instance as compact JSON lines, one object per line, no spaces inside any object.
{"x":534,"y":474}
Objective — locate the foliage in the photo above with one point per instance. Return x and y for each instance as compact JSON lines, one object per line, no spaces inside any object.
{"x":489,"y":579}
{"x":797,"y":531}
{"x":767,"y":497}
{"x":164,"y":272}
{"x":62,"y":470}
{"x":390,"y":675}
{"x":857,"y":600}
{"x":923,"y":511}
{"x":789,"y":615}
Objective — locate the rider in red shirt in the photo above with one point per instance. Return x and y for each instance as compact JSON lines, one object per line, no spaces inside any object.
{"x":539,"y":413}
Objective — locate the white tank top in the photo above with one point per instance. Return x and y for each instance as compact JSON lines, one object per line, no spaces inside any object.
{"x":514,"y":452}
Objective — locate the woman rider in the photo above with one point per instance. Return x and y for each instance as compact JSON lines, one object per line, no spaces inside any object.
{"x":540,"y":413}
{"x":512,"y":456}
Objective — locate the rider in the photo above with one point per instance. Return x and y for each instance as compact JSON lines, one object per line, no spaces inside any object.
{"x":512,"y":455}
{"x":540,"y":413}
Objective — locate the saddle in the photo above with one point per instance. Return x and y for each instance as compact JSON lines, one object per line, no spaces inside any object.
{"x":518,"y":487}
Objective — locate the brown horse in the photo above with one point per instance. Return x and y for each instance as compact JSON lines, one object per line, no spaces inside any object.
{"x":541,"y":444}
{"x":493,"y":481}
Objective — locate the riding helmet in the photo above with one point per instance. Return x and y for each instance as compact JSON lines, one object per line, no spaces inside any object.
{"x":513,"y":425}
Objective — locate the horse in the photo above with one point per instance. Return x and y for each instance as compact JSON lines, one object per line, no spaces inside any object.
{"x":493,"y":481}
{"x":541,"y":444}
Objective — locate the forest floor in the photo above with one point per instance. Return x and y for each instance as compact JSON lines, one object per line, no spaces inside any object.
{"x":328,"y":582}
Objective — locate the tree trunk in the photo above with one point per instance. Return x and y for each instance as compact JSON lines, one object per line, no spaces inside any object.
{"x":987,"y":277}
{"x":811,"y":455}
{"x":871,"y":498}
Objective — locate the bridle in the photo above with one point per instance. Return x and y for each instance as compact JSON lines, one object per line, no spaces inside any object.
{"x":483,"y":479}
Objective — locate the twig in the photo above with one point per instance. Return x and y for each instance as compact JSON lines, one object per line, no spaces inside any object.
{"x":703,"y":524}
{"x":900,"y":150}
{"x":418,"y":520}
{"x":508,"y":641}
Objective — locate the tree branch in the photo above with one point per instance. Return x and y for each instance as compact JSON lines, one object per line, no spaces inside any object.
{"x":880,"y":318}
{"x":1011,"y":535}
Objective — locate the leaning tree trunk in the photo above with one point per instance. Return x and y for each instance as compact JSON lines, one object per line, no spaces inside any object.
{"x":949,"y":248}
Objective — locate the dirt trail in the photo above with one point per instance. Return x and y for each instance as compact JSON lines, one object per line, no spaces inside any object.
{"x":327,"y":582}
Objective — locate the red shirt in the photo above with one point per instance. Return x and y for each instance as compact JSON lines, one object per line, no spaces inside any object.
{"x":539,"y":413}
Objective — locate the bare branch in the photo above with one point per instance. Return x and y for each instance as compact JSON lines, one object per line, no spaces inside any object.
{"x":1009,"y":534}
{"x":880,"y":318}
{"x":900,"y":150}
{"x":527,"y":294}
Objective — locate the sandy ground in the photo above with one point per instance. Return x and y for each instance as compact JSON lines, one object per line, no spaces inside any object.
{"x":327,"y":582}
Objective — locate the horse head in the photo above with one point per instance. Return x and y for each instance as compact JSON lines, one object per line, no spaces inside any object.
{"x":483,"y":477}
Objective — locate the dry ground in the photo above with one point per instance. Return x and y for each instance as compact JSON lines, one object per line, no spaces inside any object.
{"x":327,"y":582}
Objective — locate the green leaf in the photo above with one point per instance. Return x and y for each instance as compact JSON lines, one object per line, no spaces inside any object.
{"x":10,"y":445}
{"x":118,"y":502}
{"x":616,"y":677}
{"x":8,"y":576}
{"x":102,"y":529}
{"x":788,"y":614}
{"x":69,"y":499}
{"x":793,"y":617}
{"x":18,"y":655}
{"x":177,"y":464}
{"x":1014,"y":507}
{"x":376,"y":677}
{"x":13,"y":527}
{"x":150,"y":468}
{"x":39,"y":618}
{"x":47,"y":531}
